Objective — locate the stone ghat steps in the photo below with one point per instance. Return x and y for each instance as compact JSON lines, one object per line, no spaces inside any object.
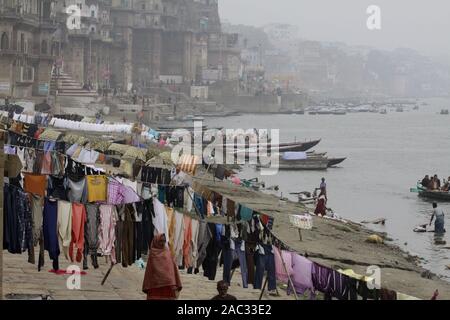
{"x":69,"y":87}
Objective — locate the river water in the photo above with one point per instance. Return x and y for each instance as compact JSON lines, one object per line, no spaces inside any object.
{"x":387,"y":155}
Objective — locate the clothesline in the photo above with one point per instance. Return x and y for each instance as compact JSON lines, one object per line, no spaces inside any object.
{"x":277,"y":240}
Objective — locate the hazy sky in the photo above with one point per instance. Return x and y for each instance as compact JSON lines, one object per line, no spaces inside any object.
{"x":419,"y":24}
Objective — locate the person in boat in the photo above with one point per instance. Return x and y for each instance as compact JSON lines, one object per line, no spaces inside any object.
{"x":432,"y":185}
{"x":425,"y":182}
{"x":438,"y":215}
{"x":437,"y":182}
{"x":446,"y":186}
{"x":321,"y":207}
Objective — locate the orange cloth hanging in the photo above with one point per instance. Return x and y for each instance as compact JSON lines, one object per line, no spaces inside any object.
{"x":187,"y":241}
{"x":35,"y":184}
{"x":78,"y":221}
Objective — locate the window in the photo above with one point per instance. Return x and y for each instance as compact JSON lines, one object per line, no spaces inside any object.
{"x":4,"y":42}
{"x":22,"y":42}
{"x":44,"y":47}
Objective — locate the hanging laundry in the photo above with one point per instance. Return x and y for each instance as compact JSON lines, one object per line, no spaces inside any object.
{"x":78,"y":223}
{"x":321,"y":278}
{"x":188,"y":199}
{"x":107,"y":237}
{"x":193,"y":252}
{"x":204,"y":236}
{"x":147,"y":225}
{"x":179,"y":238}
{"x":301,"y":274}
{"x":235,"y":250}
{"x":201,"y":205}
{"x":162,"y":193}
{"x":127,"y":236}
{"x":160,"y":220}
{"x":91,"y":232}
{"x":212,"y":254}
{"x":57,"y":188}
{"x":50,"y":230}
{"x":283,"y":262}
{"x":35,"y":183}
{"x":38,"y":236}
{"x":171,"y":228}
{"x":72,"y":150}
{"x":65,"y":226}
{"x":115,"y":192}
{"x":96,"y":188}
{"x":18,"y":221}
{"x":76,"y":189}
{"x":187,"y":241}
{"x":244,"y":213}
{"x":138,"y":242}
{"x":265,"y":261}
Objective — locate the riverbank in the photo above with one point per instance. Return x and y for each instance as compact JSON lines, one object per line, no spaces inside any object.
{"x":338,"y":245}
{"x":334,"y":244}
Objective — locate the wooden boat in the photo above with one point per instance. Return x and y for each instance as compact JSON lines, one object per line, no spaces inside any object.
{"x":331,"y":161}
{"x":307,"y":164}
{"x":432,"y":194}
{"x":174,"y":127}
{"x":218,"y":114}
{"x":335,"y":161}
{"x":444,"y":111}
{"x":298,"y":111}
{"x":437,"y":195}
{"x":282,"y":147}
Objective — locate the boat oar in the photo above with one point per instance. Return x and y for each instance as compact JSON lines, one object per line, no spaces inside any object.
{"x":414,"y":190}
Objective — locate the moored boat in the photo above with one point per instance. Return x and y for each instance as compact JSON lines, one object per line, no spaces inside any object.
{"x":306,"y":164}
{"x":335,"y":161}
{"x":298,"y":111}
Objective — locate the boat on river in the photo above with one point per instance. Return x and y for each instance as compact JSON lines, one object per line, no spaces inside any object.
{"x":331,"y":161}
{"x":305,"y":164}
{"x":432,"y":194}
{"x":282,"y":147}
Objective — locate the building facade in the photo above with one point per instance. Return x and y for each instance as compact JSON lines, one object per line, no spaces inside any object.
{"x":28,"y":47}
